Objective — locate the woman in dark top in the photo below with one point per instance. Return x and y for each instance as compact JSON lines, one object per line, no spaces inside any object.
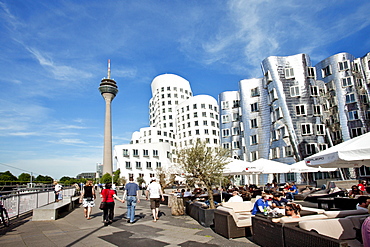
{"x":355,"y":191}
{"x":87,"y":198}
{"x":108,"y":196}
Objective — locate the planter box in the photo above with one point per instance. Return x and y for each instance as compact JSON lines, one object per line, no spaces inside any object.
{"x":202,"y":215}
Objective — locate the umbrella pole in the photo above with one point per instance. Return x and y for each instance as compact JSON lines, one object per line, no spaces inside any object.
{"x":341,"y":173}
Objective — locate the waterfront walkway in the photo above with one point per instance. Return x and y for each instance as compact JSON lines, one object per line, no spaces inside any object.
{"x":74,"y":229}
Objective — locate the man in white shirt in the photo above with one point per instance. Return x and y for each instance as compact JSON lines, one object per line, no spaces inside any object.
{"x":154,"y":192}
{"x":235,"y":197}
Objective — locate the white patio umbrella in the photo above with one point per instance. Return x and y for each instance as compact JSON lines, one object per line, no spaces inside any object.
{"x":240,"y":167}
{"x":301,"y":167}
{"x":270,"y":166}
{"x":351,"y":153}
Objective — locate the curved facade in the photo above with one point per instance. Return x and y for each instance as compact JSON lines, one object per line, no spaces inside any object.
{"x":230,"y":121}
{"x":197,"y":118}
{"x":346,"y":100}
{"x":168,"y":91}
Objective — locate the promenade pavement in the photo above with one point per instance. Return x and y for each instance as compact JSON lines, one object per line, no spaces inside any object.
{"x":73,"y":229}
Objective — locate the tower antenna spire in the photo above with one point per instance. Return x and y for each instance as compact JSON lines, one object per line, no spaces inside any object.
{"x":108,"y":68}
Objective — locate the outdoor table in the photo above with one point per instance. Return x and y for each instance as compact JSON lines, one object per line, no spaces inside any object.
{"x":328,"y":201}
{"x":345,"y":203}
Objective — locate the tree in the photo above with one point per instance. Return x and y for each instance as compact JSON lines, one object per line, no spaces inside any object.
{"x":7,"y":176}
{"x":204,"y":165}
{"x":25,"y":177}
{"x":166,"y":176}
{"x":116,"y":177}
{"x":44,"y":179}
{"x":106,"y":178}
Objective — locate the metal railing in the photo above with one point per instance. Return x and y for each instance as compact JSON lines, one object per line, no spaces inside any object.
{"x":23,"y":201}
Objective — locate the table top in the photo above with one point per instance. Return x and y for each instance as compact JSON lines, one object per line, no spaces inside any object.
{"x":326,"y":199}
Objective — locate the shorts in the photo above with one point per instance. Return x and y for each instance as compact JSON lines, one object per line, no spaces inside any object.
{"x":88,"y":203}
{"x":154,"y":203}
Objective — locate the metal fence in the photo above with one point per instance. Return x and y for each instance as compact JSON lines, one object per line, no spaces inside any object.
{"x":23,"y":201}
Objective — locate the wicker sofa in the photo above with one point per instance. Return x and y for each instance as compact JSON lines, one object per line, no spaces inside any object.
{"x":200,"y":212}
{"x":330,"y":228}
{"x":233,"y":219}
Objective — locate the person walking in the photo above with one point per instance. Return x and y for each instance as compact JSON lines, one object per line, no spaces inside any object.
{"x":154,"y":192}
{"x":58,"y":190}
{"x":87,"y":198}
{"x":108,"y":197}
{"x":132,"y":196}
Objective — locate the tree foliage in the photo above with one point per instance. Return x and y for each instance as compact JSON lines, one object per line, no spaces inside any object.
{"x":106,"y":178}
{"x":25,"y":177}
{"x":7,"y":176}
{"x":166,"y":176}
{"x":44,"y":179}
{"x":203,"y":165}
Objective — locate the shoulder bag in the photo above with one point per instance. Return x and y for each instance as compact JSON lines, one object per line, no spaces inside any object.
{"x":103,"y":205}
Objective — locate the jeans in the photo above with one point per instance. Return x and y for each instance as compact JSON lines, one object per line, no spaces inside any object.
{"x":131,"y":204}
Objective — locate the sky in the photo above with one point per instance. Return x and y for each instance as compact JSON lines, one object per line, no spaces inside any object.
{"x":53,"y":55}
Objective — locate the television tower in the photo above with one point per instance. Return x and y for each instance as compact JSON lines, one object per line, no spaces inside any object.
{"x":108,"y":89}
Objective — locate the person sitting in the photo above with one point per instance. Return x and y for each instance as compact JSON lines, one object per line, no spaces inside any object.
{"x":363,"y":203}
{"x":355,"y":191}
{"x":236,"y":197}
{"x":362,"y":186}
{"x":278,"y":203}
{"x":292,"y":191}
{"x":293,"y":210}
{"x":187,"y":193}
{"x":261,"y":205}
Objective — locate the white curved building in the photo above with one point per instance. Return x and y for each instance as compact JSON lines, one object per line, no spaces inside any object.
{"x":177,"y":118}
{"x":197,"y":118}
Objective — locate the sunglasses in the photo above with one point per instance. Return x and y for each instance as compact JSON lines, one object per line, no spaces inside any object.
{"x":288,"y":209}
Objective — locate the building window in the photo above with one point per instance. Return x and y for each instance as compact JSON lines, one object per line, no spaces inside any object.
{"x":311,"y":72}
{"x":226,"y":145}
{"x":125,"y":152}
{"x":225,"y":132}
{"x":294,"y":91}
{"x":155,"y":153}
{"x":356,"y":132}
{"x":320,"y":129}
{"x":196,"y":123}
{"x":254,"y":107}
{"x":203,"y":106}
{"x":158,"y":164}
{"x":235,"y":116}
{"x":347,"y":81}
{"x":254,"y":123}
{"x":138,"y":165}
{"x":236,"y":103}
{"x":254,"y":140}
{"x":236,"y":144}
{"x":254,"y":155}
{"x":255,"y":92}
{"x":288,"y":150}
{"x":145,"y":152}
{"x":225,"y":105}
{"x":236,"y":131}
{"x":128,"y":165}
{"x":194,"y":106}
{"x":326,"y":71}
{"x":278,"y":113}
{"x":317,"y":110}
{"x":352,"y":115}
{"x":314,"y":91}
{"x":225,"y":119}
{"x":289,"y":73}
{"x":135,"y":152}
{"x":300,"y":110}
{"x":275,"y":153}
{"x":322,"y":146}
{"x":197,"y":132}
{"x":306,"y":129}
{"x":206,"y":132}
{"x":149,"y":165}
{"x":310,"y":148}
{"x":343,"y":65}
{"x":204,"y":114}
{"x":205,"y":123}
{"x":195,"y":114}
{"x":350,"y":98}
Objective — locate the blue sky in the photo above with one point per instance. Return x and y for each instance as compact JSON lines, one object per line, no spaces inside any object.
{"x":54,"y":54}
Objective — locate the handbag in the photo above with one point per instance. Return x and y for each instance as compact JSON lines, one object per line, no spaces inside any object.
{"x":103,"y":205}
